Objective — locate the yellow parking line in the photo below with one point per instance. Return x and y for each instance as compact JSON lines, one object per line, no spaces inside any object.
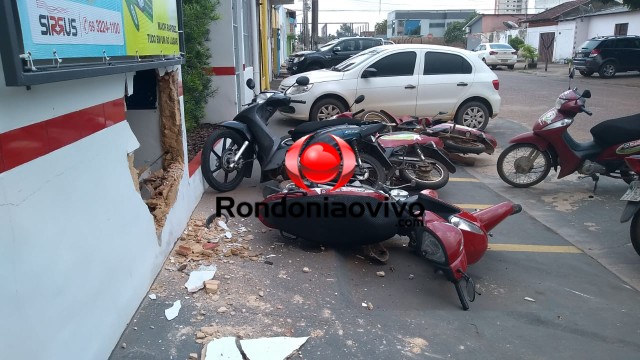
{"x":464,"y":179}
{"x":472,"y":206}
{"x":535,"y":248}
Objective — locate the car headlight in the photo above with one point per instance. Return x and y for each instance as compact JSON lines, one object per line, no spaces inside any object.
{"x":298,"y":59}
{"x":297,"y":89}
{"x":465,"y":225}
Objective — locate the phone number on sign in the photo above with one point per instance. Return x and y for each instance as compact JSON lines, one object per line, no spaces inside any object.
{"x":100,"y":26}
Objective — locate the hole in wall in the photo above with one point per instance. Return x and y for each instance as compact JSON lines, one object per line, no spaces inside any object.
{"x":153,"y":113}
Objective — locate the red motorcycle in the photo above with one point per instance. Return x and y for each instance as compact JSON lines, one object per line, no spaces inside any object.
{"x":532,"y":155}
{"x":632,"y":209}
{"x":457,"y":139}
{"x":445,"y":235}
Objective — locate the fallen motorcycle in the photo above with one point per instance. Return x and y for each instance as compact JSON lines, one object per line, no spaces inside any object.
{"x":457,"y":139}
{"x":445,"y":235}
{"x":632,"y":209}
{"x":531,"y":156}
{"x":410,"y":157}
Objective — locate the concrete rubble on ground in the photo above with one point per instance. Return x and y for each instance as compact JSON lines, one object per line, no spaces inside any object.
{"x":272,"y":348}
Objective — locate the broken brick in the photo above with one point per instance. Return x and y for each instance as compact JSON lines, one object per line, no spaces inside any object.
{"x":210,"y":246}
{"x":183,"y":250}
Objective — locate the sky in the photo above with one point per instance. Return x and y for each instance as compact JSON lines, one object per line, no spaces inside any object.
{"x":373,"y":11}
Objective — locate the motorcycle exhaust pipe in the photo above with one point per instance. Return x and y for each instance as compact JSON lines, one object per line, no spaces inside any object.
{"x":490,"y":217}
{"x":237,"y":157}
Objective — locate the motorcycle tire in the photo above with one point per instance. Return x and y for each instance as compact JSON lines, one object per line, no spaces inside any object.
{"x":229,"y":150}
{"x":634,"y":231}
{"x":462,"y":146}
{"x":441,"y":180}
{"x":375,"y":171}
{"x":502,"y":161}
{"x":373,"y":115}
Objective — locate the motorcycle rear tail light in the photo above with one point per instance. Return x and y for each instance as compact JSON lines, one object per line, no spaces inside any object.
{"x":496,"y":84}
{"x":493,"y":52}
{"x":594,"y":53}
{"x":633,"y":162}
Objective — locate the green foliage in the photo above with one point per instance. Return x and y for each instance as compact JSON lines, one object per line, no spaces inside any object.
{"x":381,"y":27}
{"x":345,"y":30}
{"x":631,"y":4}
{"x":516,"y":43}
{"x":198,"y":15}
{"x":455,"y":33}
{"x":529,"y":52}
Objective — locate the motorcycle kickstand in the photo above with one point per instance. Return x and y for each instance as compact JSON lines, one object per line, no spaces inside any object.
{"x":595,"y":178}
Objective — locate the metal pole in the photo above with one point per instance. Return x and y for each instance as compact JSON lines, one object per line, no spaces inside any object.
{"x":314,"y":23}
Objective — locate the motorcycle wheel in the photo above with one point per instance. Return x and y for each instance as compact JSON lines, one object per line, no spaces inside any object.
{"x":372,"y":171}
{"x":433,"y":176}
{"x":634,"y":231}
{"x":516,"y":169}
{"x":463,"y":146}
{"x":217,"y":153}
{"x":379,"y":117}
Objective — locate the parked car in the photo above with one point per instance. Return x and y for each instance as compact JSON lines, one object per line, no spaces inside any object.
{"x":608,"y":55}
{"x":497,"y":54}
{"x":387,"y":42}
{"x":332,"y":53}
{"x":403,"y":79}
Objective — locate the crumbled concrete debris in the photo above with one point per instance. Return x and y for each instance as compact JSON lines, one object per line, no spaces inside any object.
{"x":411,"y":276}
{"x":222,"y":310}
{"x":380,"y":273}
{"x":529,"y":299}
{"x":305,"y":270}
{"x":124,"y":345}
{"x":261,"y":293}
{"x":369,"y":306}
{"x":193,"y":356}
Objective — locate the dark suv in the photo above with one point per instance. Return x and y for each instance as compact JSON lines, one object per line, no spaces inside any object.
{"x":330,"y":54}
{"x":608,"y":55}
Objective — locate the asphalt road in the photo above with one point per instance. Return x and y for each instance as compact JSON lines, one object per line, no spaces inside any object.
{"x":561,"y":251}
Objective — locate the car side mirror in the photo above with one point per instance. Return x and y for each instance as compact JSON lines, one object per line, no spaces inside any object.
{"x":360,"y":99}
{"x":302,"y":81}
{"x":586,"y":94}
{"x":337,"y":48}
{"x":251,"y":84}
{"x":369,"y":72}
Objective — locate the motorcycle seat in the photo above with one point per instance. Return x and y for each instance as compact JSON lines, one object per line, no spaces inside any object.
{"x":368,"y":130}
{"x":617,"y":131}
{"x":313,"y":126}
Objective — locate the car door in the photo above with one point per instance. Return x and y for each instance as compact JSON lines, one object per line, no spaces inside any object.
{"x":443,"y":83}
{"x":394,"y":87}
{"x":342,"y":51}
{"x":625,"y":52}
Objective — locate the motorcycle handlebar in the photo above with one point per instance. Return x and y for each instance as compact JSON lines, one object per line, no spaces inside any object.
{"x":357,"y":112}
{"x":586,"y":111}
{"x":299,"y":101}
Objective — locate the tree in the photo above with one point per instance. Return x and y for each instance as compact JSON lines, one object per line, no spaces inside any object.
{"x":455,"y":32}
{"x":345,"y":30}
{"x":381,"y":27}
{"x":198,"y":88}
{"x":631,"y":4}
{"x":516,"y":43}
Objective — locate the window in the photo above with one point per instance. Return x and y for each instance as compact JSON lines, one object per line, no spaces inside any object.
{"x":349,"y":45}
{"x":367,"y":43}
{"x":483,"y":47}
{"x":437,"y":63}
{"x":621,"y":29}
{"x":398,"y":64}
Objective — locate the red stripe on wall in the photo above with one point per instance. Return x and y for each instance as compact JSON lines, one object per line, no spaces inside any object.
{"x":19,"y":146}
{"x":221,"y":70}
{"x":194,"y":164}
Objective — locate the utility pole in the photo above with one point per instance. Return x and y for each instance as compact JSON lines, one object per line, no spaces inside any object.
{"x":314,"y":23}
{"x":305,"y":24}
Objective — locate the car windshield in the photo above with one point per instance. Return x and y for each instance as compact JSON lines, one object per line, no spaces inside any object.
{"x":328,"y":45}
{"x":356,"y":60}
{"x":501,"y":46}
{"x":589,"y":45}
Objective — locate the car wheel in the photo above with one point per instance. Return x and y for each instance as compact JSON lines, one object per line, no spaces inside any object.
{"x":473,"y":114}
{"x":326,"y":108}
{"x":586,"y":73}
{"x":607,"y":70}
{"x":493,"y":67}
{"x":510,"y":67}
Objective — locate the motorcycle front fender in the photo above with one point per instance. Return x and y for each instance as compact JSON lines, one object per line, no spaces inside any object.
{"x":239,"y":127}
{"x":436,"y":154}
{"x":531,"y":138}
{"x":629,"y":210}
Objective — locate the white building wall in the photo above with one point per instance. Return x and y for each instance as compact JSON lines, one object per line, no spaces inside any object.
{"x":564,"y":39}
{"x":605,"y":24}
{"x":78,"y":249}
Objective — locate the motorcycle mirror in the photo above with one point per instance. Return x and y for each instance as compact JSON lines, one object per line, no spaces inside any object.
{"x":251,"y":84}
{"x":302,"y":81}
{"x":359,"y":99}
{"x":586,"y":94}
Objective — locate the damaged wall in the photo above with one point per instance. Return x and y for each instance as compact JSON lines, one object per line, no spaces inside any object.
{"x":78,"y":247}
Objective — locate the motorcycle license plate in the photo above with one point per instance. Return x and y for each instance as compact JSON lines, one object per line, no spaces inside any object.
{"x":633,"y":193}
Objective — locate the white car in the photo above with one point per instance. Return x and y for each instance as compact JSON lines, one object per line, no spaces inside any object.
{"x":497,"y":54}
{"x":402,"y":79}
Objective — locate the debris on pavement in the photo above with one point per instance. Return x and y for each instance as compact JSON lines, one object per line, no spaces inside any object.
{"x":224,"y":348}
{"x":193,"y":356}
{"x":529,"y":299}
{"x":305,"y":270}
{"x":152,"y":296}
{"x":275,"y":348}
{"x":380,"y":273}
{"x":172,"y":312}
{"x":369,"y":306}
{"x":197,"y":278}
{"x":211,"y":286}
{"x":411,"y":277}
